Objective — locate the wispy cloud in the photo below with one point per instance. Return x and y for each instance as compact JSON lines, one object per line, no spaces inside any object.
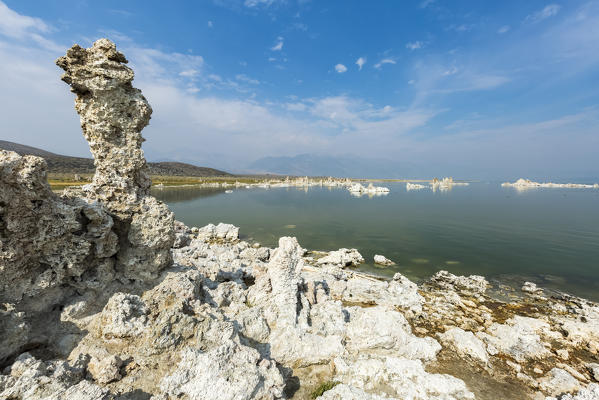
{"x":210,"y":24}
{"x":296,"y":106}
{"x":123,"y":13}
{"x":23,"y":27}
{"x":503,"y":29}
{"x":19,"y":26}
{"x":415,"y":45}
{"x":383,"y":62}
{"x":278,"y":44}
{"x":461,"y":27}
{"x":426,"y":3}
{"x":255,"y":3}
{"x":247,"y":79}
{"x":340,"y":68}
{"x":300,"y":26}
{"x":549,"y":11}
{"x":360,"y":62}
{"x":451,"y":71}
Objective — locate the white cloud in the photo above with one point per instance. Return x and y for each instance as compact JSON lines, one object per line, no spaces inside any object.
{"x":415,"y":45}
{"x":210,"y":24}
{"x":155,"y":64}
{"x":549,"y":11}
{"x":278,"y":45}
{"x":247,"y":79}
{"x":19,"y":26}
{"x":340,"y":68}
{"x":255,"y":3}
{"x":451,"y":71}
{"x":296,"y":106}
{"x":22,"y":27}
{"x":503,"y":29}
{"x":461,"y":27}
{"x":300,"y":26}
{"x":383,"y":62}
{"x":360,"y":62}
{"x":189,"y":73}
{"x":426,"y":3}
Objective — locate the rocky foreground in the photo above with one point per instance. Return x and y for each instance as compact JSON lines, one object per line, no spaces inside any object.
{"x":103,"y":295}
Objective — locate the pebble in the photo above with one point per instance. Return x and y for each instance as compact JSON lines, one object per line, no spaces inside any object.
{"x":563,"y":354}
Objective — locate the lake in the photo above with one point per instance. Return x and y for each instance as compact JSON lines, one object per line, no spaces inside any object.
{"x":548,"y":236}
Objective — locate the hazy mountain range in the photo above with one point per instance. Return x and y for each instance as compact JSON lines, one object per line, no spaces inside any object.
{"x":66,"y":164}
{"x":339,"y":166}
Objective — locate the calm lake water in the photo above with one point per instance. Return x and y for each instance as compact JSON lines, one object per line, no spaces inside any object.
{"x":548,"y":236}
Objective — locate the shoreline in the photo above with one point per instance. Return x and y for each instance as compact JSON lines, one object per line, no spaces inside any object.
{"x":105,"y":295}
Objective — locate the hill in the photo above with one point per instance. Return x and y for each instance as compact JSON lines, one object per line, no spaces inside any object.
{"x":78,"y":165}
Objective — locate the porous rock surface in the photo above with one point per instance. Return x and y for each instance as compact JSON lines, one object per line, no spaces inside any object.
{"x":112,"y":114}
{"x":104,"y":297}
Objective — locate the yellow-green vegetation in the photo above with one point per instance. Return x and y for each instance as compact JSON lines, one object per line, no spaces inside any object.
{"x":195,"y":180}
{"x":323,"y":387}
{"x":62,"y":180}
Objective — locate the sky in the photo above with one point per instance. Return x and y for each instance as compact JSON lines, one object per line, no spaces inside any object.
{"x":472,"y":89}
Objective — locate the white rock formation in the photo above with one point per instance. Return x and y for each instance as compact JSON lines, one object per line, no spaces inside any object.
{"x":399,"y":378}
{"x":531,"y":287}
{"x":445,"y":184}
{"x":382,"y":260}
{"x":518,"y":338}
{"x":523,"y":184}
{"x":414,"y":186}
{"x":558,"y":381}
{"x":113,"y":113}
{"x":591,"y":392}
{"x":218,"y":232}
{"x":358,"y":189}
{"x":227,"y":372}
{"x":342,"y":258}
{"x":465,"y":344}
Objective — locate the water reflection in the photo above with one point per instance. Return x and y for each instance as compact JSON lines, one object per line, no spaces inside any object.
{"x":470,"y":230}
{"x":179,"y":194}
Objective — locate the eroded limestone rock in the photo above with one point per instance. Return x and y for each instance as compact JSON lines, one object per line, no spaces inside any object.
{"x":45,"y":240}
{"x":342,"y":258}
{"x":113,"y":113}
{"x":228,"y":372}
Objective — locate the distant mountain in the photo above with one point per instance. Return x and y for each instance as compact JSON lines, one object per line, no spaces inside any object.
{"x":65,"y":164}
{"x":338,"y":166}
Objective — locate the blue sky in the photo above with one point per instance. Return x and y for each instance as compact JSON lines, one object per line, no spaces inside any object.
{"x":467,"y":88}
